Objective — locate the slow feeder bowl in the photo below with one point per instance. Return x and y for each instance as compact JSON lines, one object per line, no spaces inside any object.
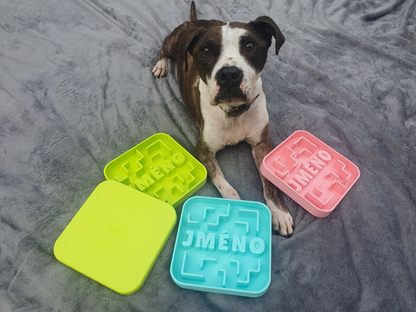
{"x":223,"y":246}
{"x":310,"y":172}
{"x":159,"y":167}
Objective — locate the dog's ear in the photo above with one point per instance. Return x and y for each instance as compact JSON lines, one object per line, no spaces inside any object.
{"x":267,"y":27}
{"x":188,"y":40}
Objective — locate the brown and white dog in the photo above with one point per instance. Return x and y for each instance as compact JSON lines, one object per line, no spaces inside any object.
{"x":219,"y":66}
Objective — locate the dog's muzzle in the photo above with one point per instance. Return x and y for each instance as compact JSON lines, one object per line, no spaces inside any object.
{"x":229,"y":76}
{"x":230,"y":97}
{"x":229,"y":79}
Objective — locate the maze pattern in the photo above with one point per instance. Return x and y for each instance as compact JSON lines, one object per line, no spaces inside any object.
{"x":311,"y":169}
{"x":333,"y":181}
{"x":223,"y":248}
{"x":158,"y":168}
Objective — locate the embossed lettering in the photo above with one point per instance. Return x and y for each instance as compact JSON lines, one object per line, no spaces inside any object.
{"x":178,"y":159}
{"x":309,"y":170}
{"x":257,"y":246}
{"x":324,"y":155}
{"x":303,"y":177}
{"x":208,"y":241}
{"x":166,"y":167}
{"x":156,"y":174}
{"x":223,"y":243}
{"x":239,"y":244}
{"x":315,"y":161}
{"x":144,"y":183}
{"x":188,"y":242}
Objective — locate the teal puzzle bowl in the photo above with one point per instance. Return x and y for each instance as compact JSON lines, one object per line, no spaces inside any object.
{"x":223,"y":246}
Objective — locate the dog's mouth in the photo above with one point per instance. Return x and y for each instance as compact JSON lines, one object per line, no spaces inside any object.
{"x":235,"y":111}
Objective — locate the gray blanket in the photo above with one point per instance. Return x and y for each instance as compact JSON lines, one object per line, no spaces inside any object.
{"x":76,"y":91}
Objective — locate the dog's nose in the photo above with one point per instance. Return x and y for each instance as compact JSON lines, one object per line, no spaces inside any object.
{"x":229,"y":76}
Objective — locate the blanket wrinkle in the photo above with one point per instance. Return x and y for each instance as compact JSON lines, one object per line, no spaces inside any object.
{"x":105,"y":12}
{"x":383,"y":11}
{"x":409,"y":22}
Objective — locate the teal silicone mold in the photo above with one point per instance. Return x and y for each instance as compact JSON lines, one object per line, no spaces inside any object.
{"x":223,"y":246}
{"x":159,"y":167}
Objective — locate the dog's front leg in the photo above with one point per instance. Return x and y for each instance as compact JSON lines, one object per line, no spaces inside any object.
{"x":207,"y":157}
{"x":282,"y":220}
{"x":168,"y":50}
{"x":161,"y":68}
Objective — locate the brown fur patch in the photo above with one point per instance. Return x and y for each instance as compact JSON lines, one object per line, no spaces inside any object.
{"x":206,"y":157}
{"x":260,"y":150}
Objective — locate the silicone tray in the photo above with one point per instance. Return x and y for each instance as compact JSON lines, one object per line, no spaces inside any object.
{"x":223,"y":246}
{"x":310,"y":172}
{"x":159,"y":167}
{"x":115,"y":238}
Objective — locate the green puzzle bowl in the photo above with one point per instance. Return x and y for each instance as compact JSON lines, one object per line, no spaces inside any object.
{"x":159,"y":167}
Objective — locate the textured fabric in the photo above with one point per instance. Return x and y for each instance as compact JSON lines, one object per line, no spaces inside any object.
{"x":76,"y":91}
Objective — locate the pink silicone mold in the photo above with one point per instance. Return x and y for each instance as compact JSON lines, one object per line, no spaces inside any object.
{"x":310,"y":172}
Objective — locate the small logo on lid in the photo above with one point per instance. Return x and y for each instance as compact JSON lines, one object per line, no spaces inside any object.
{"x":116,"y":230}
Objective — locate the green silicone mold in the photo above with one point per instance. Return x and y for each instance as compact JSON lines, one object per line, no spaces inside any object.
{"x":159,"y":167}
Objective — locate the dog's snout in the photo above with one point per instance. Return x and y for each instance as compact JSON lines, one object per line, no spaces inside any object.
{"x":229,"y":76}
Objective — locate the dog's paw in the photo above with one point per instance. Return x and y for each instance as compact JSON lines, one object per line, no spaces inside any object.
{"x":227,"y":191}
{"x":231,"y":194}
{"x":161,"y":69}
{"x":282,"y":222}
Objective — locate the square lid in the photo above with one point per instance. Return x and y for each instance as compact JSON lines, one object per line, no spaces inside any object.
{"x":116,"y":236}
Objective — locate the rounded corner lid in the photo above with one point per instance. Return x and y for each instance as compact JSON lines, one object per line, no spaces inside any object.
{"x":57,"y":250}
{"x":116,"y":236}
{"x":127,"y":288}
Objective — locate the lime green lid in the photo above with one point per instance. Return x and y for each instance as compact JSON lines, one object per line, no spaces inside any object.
{"x":116,"y":236}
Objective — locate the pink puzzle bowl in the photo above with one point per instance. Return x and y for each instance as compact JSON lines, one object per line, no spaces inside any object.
{"x":310,"y":172}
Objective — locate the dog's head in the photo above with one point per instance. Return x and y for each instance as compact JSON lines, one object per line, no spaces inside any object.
{"x":230,"y":58}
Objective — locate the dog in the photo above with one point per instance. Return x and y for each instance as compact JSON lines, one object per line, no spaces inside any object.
{"x":218,"y":68}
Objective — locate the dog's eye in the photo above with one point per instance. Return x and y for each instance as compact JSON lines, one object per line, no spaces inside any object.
{"x":250,"y":46}
{"x":205,"y":51}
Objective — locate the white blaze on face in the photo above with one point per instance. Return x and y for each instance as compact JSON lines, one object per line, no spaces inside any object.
{"x":231,"y":56}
